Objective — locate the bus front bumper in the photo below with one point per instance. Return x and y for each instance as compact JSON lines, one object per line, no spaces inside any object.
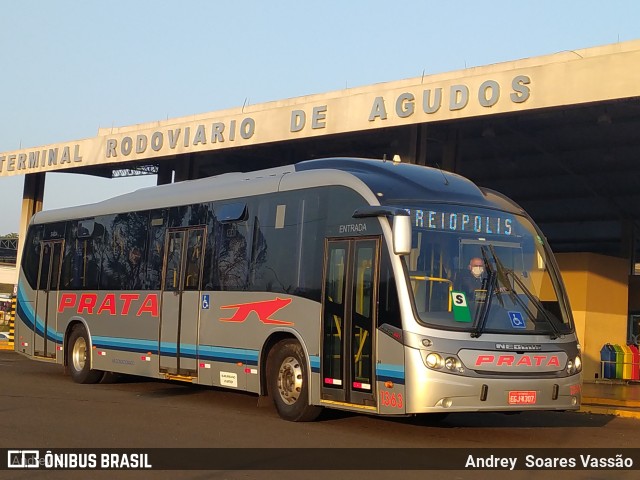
{"x":432,"y":391}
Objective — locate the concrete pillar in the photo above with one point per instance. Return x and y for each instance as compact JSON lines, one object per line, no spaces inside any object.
{"x":184,"y":168}
{"x":165,"y":174}
{"x":598,"y":294}
{"x":450,"y":150}
{"x":628,"y":243}
{"x":419,"y":144}
{"x":410,"y":143}
{"x":32,"y":195}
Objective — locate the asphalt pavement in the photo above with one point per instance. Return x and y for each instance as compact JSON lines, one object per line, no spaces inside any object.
{"x":612,"y":397}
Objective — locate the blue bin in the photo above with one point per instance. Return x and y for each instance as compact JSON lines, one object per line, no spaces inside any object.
{"x":608,"y":359}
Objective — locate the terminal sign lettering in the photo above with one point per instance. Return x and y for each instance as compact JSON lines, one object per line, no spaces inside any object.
{"x":462,"y":222}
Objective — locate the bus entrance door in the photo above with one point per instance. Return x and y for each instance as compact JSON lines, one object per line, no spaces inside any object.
{"x":181,"y":301}
{"x":349,"y":312}
{"x":46,"y":299}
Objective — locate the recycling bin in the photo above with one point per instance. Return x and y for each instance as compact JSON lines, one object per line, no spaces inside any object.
{"x":635,"y":362}
{"x":627,"y":362}
{"x":619,"y":361}
{"x":608,"y":361}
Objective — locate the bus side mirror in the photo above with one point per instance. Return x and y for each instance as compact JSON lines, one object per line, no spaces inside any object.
{"x":401,"y":227}
{"x":401,"y":234}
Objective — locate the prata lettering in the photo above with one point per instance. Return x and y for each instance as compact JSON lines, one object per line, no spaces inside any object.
{"x":513,"y":361}
{"x":112,"y":304}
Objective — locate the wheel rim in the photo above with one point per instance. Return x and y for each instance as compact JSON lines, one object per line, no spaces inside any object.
{"x":290,"y":380}
{"x":79,"y":354}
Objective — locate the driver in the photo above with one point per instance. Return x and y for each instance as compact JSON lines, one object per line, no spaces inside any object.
{"x":472,"y":280}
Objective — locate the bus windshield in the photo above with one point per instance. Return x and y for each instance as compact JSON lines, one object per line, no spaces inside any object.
{"x":483,"y":271}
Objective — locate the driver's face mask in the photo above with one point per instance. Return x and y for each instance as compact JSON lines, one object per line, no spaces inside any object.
{"x":477,"y":271}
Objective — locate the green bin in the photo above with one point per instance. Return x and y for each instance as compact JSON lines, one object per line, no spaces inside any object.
{"x":619,"y":361}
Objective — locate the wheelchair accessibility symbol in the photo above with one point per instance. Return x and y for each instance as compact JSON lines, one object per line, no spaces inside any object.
{"x":516,"y":320}
{"x":205,"y":301}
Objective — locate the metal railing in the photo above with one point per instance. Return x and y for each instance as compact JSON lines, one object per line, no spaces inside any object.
{"x":9,"y":243}
{"x":8,"y":250}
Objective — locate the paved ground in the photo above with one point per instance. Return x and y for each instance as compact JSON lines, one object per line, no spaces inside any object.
{"x":42,"y":408}
{"x":612,"y":398}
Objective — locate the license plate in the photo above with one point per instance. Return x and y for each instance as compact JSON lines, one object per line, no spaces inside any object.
{"x":527,"y":397}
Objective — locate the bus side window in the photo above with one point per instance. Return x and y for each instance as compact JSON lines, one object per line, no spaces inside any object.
{"x":81,"y":262}
{"x":155,"y":252}
{"x":124,"y":252}
{"x":274,"y":253}
{"x":31,"y":259}
{"x":232,"y":242}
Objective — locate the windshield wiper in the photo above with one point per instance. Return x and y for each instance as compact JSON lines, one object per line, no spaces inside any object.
{"x":482,"y":311}
{"x":556,"y":333}
{"x":503,"y":276}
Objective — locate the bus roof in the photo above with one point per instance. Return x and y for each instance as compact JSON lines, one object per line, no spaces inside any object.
{"x":403,"y":183}
{"x":389,"y":182}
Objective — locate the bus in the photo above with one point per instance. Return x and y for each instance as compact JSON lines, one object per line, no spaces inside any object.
{"x":5,"y":309}
{"x":335,"y":282}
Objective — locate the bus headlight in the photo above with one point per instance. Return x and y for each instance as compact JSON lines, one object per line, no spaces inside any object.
{"x":574,"y":366}
{"x":451,"y":363}
{"x":433,"y":360}
{"x":577,"y":363}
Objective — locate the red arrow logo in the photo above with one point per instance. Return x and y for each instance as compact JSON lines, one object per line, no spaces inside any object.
{"x":263,"y":310}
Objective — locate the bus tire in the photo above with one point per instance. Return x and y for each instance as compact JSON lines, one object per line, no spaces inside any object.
{"x":288,"y":382}
{"x":79,"y":358}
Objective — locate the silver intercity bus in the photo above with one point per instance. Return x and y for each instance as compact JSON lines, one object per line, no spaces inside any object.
{"x":362,"y":285}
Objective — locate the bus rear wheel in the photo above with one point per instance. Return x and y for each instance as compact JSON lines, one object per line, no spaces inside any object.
{"x":79,"y":357}
{"x":288,"y":382}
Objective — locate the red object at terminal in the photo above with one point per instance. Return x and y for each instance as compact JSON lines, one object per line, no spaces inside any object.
{"x":635,"y":365}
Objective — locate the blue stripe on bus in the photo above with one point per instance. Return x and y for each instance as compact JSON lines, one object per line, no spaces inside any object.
{"x":394,"y":373}
{"x":171,"y":350}
{"x":204,"y":352}
{"x":229,"y":355}
{"x":314,"y":360}
{"x":384,"y":371}
{"x":125,"y":344}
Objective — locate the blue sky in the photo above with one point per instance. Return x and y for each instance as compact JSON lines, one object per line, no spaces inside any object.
{"x":68,"y":67}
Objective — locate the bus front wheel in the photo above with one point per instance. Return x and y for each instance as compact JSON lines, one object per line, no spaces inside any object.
{"x":289,"y":382}
{"x":79,"y":357}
